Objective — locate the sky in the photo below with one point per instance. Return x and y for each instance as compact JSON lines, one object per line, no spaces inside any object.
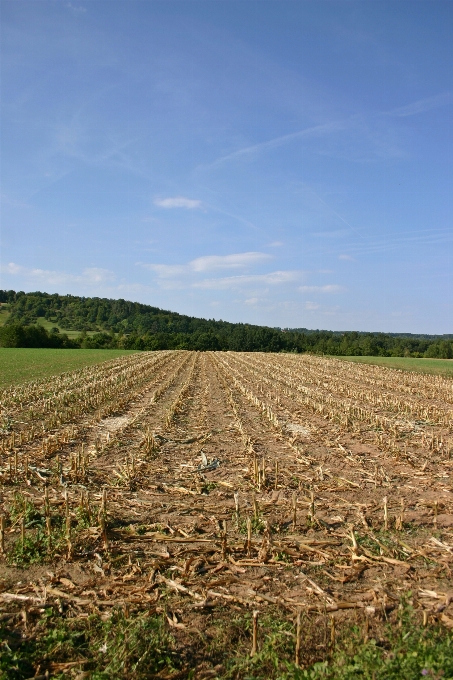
{"x":277,"y":162}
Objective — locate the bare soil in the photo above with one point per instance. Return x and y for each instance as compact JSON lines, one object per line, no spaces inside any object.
{"x":227,"y":492}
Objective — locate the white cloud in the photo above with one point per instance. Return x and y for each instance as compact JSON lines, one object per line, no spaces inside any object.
{"x":167,"y":271}
{"x":96,"y":275}
{"x":191,"y":274}
{"x":236,"y":261}
{"x":272,"y":279}
{"x":90,"y":275}
{"x":311,"y":306}
{"x":76,"y":9}
{"x":346,"y":257}
{"x":330,"y":288}
{"x":276,"y":244}
{"x":251,"y":301}
{"x":208,"y":263}
{"x":177,"y":202}
{"x":12,"y":268}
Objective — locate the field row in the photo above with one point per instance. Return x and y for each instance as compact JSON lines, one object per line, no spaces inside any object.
{"x":199,"y":485}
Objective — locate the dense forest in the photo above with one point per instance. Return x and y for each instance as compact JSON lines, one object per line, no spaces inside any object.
{"x":103,"y":323}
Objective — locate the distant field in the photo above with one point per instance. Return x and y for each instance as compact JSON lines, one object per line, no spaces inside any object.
{"x":41,"y":321}
{"x":435,"y":366}
{"x":23,"y":364}
{"x":4,"y":314}
{"x":48,"y":325}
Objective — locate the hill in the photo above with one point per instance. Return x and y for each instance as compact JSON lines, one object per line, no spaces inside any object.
{"x":41,"y":319}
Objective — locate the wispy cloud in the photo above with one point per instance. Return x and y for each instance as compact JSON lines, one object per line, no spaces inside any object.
{"x":177,"y":202}
{"x":89,"y":276}
{"x":76,"y":9}
{"x":77,"y":140}
{"x":349,"y":258}
{"x":236,"y":261}
{"x":233,"y":282}
{"x":392,"y":242}
{"x":330,"y":288}
{"x":422,"y":105}
{"x":313,"y":131}
{"x":209,"y":263}
{"x":191,"y":274}
{"x":166,"y":271}
{"x":329,"y":207}
{"x":356,"y":137}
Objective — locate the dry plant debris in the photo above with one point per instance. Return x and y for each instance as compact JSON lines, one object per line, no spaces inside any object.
{"x":183,"y":483}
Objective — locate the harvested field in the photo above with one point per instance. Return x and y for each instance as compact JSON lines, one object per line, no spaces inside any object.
{"x":239,"y":511}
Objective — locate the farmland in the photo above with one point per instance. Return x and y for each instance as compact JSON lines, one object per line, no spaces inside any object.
{"x":434,"y":366}
{"x":179,"y":514}
{"x":19,"y":365}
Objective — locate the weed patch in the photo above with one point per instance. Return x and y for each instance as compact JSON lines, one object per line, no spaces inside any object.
{"x":121,"y":647}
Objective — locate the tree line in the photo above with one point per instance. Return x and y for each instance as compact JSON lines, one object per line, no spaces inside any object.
{"x":106,"y":324}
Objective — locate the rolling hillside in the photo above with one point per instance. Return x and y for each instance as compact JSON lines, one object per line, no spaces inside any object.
{"x":29,"y":318}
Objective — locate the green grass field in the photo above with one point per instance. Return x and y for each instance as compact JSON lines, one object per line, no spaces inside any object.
{"x":4,"y":313}
{"x":48,"y":325}
{"x":23,"y":364}
{"x":434,"y":366}
{"x":41,"y":321}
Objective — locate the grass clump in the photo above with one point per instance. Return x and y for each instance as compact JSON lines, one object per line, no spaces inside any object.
{"x":22,"y":507}
{"x":382,"y":542}
{"x":32,"y":550}
{"x":277,"y":643}
{"x":258,"y":525}
{"x":139,"y":646}
{"x":120,"y":647}
{"x":41,"y":542}
{"x":33,"y":547}
{"x":401,"y":650}
{"x":407,"y":654}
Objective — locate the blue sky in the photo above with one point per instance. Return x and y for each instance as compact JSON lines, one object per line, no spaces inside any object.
{"x":286,"y":162}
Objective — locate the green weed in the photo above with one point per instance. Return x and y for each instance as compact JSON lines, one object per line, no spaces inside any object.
{"x":207,"y":487}
{"x":24,"y":507}
{"x":383,"y":543}
{"x":84,"y":519}
{"x":258,"y":525}
{"x":37,"y":546}
{"x":139,"y":646}
{"x":136,"y":647}
{"x":409,"y":653}
{"x":33,"y":549}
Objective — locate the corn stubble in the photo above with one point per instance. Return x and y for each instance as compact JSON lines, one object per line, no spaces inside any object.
{"x":203,"y":487}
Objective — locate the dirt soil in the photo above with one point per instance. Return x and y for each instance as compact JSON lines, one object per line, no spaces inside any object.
{"x":242,"y":482}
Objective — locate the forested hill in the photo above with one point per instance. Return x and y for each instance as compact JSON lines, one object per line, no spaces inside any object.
{"x":70,"y":312}
{"x":44,"y":320}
